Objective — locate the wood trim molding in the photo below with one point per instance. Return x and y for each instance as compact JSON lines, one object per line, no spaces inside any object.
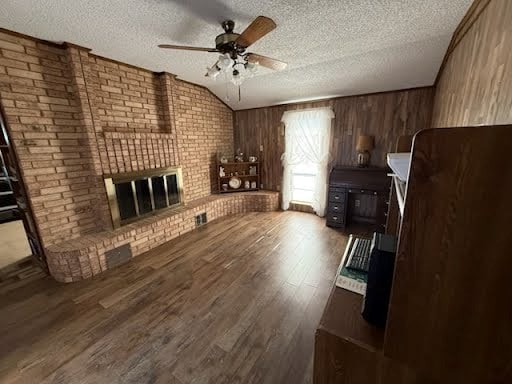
{"x":328,"y":99}
{"x":163,"y":73}
{"x":471,"y":16}
{"x":27,"y":37}
{"x":67,"y":45}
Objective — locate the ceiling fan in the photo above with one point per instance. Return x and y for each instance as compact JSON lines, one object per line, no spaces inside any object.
{"x":232,"y":48}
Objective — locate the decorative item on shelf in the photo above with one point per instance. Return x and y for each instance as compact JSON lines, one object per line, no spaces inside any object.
{"x":239,"y":158}
{"x":365,"y":144}
{"x":240,"y":176}
{"x":235,"y":182}
{"x":222,"y":158}
{"x":253,"y":159}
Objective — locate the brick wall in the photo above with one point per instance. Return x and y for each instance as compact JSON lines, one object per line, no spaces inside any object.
{"x":204,"y":127}
{"x":39,"y":96}
{"x":128,"y":99}
{"x":75,"y":117}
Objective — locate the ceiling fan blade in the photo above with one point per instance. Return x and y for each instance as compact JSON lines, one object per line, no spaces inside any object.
{"x":266,"y":61}
{"x":186,"y":48}
{"x":255,"y":31}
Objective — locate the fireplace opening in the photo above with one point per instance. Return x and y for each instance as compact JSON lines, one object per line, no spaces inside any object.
{"x":143,"y":193}
{"x":159,"y":192}
{"x":126,"y":204}
{"x":172,"y":189}
{"x":136,"y":194}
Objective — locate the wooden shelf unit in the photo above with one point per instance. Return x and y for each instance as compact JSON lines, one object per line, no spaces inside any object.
{"x":240,"y":170}
{"x":449,"y":313}
{"x":240,"y":176}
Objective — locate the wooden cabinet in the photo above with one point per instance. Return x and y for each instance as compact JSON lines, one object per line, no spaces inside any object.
{"x":346,"y":346}
{"x":348,"y":350}
{"x":451,"y":304}
{"x":336,"y":207}
{"x":358,"y":195}
{"x":248,"y":174}
{"x":450,"y":311}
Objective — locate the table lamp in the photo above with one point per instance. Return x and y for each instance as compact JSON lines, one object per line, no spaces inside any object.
{"x":364,"y":145}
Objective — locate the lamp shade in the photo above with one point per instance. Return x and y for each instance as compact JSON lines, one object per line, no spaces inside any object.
{"x":365,"y":143}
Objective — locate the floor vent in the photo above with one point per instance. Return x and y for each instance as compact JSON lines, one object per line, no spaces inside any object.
{"x":201,"y":219}
{"x":118,"y":256}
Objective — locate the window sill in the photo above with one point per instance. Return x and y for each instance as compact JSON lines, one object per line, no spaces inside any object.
{"x":301,"y":203}
{"x":301,"y":206}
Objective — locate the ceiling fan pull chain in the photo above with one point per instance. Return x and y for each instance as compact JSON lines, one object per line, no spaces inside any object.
{"x":226,"y":83}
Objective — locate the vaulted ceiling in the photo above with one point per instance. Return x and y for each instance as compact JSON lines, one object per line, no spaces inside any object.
{"x":332,"y":47}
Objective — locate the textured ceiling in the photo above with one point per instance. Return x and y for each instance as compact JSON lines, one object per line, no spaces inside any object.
{"x":333,"y":48}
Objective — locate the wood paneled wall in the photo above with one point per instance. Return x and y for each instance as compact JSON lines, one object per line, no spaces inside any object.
{"x":475,"y":84}
{"x":385,"y":115}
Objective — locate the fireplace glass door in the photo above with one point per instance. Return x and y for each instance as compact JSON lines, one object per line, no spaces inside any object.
{"x":144,"y":198}
{"x":172,"y":189}
{"x":159,"y":192}
{"x":133,"y":195}
{"x":125,"y":201}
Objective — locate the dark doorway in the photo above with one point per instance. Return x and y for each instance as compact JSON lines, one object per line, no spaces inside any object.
{"x":16,"y":207}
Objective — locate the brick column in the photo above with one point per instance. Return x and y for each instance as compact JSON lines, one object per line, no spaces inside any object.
{"x":78,"y":61}
{"x":167,"y":85}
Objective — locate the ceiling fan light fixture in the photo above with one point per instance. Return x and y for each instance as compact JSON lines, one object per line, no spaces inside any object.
{"x":225,"y":61}
{"x":234,"y":62}
{"x":252,"y":68}
{"x":237,"y":77}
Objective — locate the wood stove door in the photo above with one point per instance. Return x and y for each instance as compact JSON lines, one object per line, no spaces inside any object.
{"x":23,"y":211}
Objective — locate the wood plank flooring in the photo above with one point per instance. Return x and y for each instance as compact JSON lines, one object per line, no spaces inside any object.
{"x":19,"y":274}
{"x":236,"y":301}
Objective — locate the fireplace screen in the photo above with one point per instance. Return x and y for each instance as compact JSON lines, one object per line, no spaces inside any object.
{"x":135,"y":194}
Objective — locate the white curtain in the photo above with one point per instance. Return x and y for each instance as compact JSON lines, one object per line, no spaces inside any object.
{"x":307,"y":136}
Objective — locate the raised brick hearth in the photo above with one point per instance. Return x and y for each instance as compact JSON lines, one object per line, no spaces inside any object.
{"x":84,"y":257}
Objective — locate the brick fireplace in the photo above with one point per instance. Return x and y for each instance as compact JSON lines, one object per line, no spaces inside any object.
{"x":76,"y":118}
{"x":134,"y":195}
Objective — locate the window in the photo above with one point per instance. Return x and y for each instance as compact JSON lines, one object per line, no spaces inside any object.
{"x":303,"y":183}
{"x":307,"y":136}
